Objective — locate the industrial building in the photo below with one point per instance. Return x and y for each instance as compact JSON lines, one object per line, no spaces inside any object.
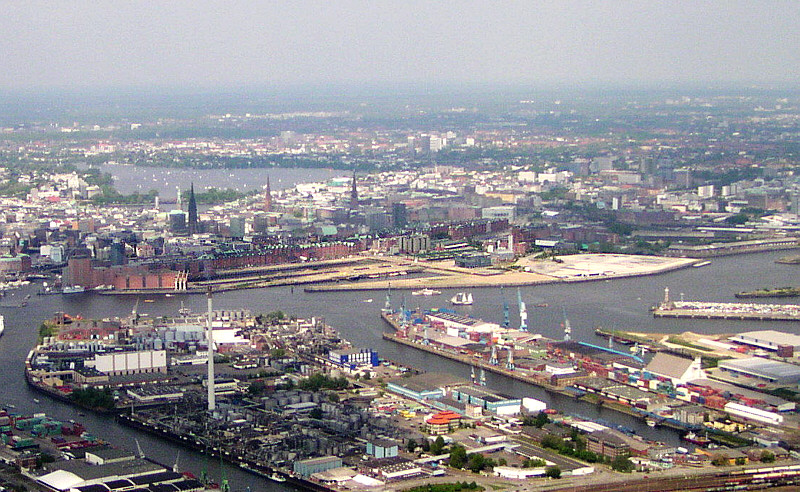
{"x":769,"y":340}
{"x":424,"y":386}
{"x":383,"y":448}
{"x":501,"y":405}
{"x":761,"y":370}
{"x":311,"y":466}
{"x":354,"y":358}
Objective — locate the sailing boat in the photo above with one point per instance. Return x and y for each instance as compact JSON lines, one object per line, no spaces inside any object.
{"x":462,"y":299}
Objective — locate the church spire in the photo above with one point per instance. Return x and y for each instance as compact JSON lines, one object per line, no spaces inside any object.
{"x":354,"y":194}
{"x":192,"y":209}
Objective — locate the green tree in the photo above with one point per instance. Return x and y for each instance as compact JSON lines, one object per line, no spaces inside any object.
{"x":256,"y":388}
{"x":458,"y":456}
{"x":476,"y":462}
{"x":767,"y":457}
{"x":552,"y":472}
{"x":622,"y":464}
{"x":437,"y":446}
{"x":411,"y":445}
{"x":720,"y":460}
{"x":740,"y":461}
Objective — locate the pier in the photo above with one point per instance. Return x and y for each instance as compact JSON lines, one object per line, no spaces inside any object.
{"x":728,"y":310}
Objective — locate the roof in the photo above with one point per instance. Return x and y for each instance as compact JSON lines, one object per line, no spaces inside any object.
{"x":669,"y":365}
{"x":61,"y":480}
{"x":765,"y":367}
{"x":767,"y":338}
{"x":85,"y":472}
{"x":109,"y":453}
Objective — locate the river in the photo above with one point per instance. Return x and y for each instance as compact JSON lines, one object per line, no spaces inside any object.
{"x":618,"y":303}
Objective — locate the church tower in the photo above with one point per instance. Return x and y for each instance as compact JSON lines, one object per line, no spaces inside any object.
{"x":192,"y":209}
{"x":354,"y":194}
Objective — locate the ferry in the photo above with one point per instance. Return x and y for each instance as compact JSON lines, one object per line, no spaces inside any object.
{"x":462,"y":299}
{"x":426,"y":292}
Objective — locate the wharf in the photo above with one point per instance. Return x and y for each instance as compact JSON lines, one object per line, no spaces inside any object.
{"x":471,"y":361}
{"x":139,"y":423}
{"x":720,"y":310}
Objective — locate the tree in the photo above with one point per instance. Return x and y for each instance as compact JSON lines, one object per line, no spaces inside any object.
{"x":502,"y":462}
{"x":256,"y":388}
{"x":552,"y":472}
{"x":767,"y":457}
{"x":475,"y":462}
{"x":437,"y":446}
{"x":411,"y":445}
{"x":740,"y":461}
{"x":622,"y":464}
{"x":720,"y":460}
{"x":458,"y":456}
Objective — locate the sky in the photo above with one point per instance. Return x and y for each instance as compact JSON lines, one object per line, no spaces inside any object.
{"x":207,"y":44}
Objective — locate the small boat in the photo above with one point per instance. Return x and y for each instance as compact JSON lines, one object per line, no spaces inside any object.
{"x":426,"y":292}
{"x":650,"y":422}
{"x":462,"y":299}
{"x":149,"y":300}
{"x":276,"y":478}
{"x":541,"y":305}
{"x":367,"y":300}
{"x":73,"y":289}
{"x":36,"y":400}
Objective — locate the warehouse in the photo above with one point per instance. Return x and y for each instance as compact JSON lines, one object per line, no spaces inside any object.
{"x":769,"y":340}
{"x":762,"y":370}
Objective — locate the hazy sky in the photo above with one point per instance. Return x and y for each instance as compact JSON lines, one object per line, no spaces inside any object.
{"x":199,"y":43}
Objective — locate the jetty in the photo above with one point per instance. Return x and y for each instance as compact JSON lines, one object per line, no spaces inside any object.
{"x":728,"y":310}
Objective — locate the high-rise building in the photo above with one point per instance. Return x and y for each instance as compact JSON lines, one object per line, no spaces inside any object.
{"x":192,"y":210}
{"x":399,"y":215}
{"x":117,"y":252}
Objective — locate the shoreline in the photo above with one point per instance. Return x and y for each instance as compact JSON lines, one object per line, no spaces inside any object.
{"x":506,"y":279}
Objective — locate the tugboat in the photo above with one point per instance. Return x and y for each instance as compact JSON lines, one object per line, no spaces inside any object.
{"x":462,"y":299}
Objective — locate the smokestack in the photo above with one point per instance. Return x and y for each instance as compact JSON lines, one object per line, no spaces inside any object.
{"x":210,"y":336}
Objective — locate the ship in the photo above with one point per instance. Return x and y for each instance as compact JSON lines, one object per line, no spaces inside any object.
{"x":697,"y":440}
{"x":426,"y":292}
{"x":462,"y":299}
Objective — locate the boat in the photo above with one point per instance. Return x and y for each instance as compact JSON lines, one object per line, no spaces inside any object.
{"x":697,"y":440}
{"x":276,"y":478}
{"x":541,"y":305}
{"x":650,"y":422}
{"x":2,"y":324}
{"x":426,"y":292}
{"x":701,"y":264}
{"x":184,"y":311}
{"x":73,"y":289}
{"x":36,"y":400}
{"x":462,"y":299}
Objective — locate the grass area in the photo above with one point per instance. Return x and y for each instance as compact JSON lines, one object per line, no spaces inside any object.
{"x":683,"y":343}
